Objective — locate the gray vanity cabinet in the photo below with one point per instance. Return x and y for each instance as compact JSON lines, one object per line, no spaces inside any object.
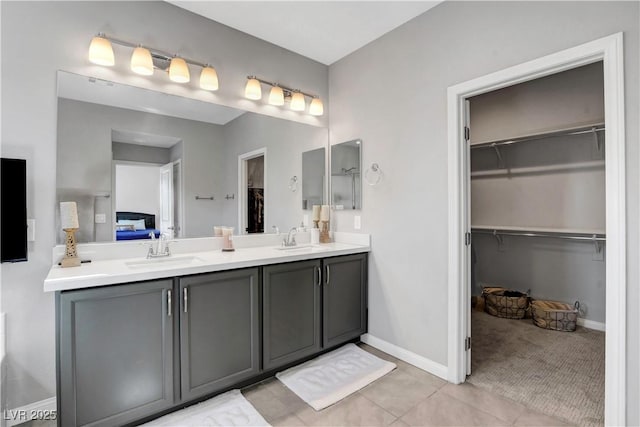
{"x":219,"y":330}
{"x":344,"y":312}
{"x":115,"y":353}
{"x":291,"y":312}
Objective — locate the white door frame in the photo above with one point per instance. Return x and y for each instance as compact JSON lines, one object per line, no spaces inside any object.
{"x":180,"y":201}
{"x":609,"y":50}
{"x":242,"y":187}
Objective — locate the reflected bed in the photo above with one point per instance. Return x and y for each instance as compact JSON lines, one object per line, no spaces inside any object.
{"x":135,"y":226}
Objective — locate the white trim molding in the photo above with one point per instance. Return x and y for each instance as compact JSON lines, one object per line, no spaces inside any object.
{"x":410,"y":357}
{"x":32,"y":411}
{"x":609,"y":51}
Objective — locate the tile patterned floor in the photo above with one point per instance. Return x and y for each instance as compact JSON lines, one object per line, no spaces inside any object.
{"x":407,"y":396}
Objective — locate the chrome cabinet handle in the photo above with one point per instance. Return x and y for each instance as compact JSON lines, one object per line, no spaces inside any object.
{"x":169,"y":302}
{"x":319,"y":276}
{"x":326,"y":270}
{"x":185,"y":295}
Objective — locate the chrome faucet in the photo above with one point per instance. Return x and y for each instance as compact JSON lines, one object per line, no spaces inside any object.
{"x":290,"y":240}
{"x":160,"y":249}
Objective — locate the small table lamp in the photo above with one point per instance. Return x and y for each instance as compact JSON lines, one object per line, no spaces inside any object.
{"x":69,"y":222}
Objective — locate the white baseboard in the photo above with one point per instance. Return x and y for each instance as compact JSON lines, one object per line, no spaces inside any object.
{"x":407,"y":356}
{"x":14,"y":417}
{"x":591,"y":324}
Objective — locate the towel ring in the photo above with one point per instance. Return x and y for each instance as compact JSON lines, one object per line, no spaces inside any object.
{"x":293,"y":184}
{"x":373,"y":175}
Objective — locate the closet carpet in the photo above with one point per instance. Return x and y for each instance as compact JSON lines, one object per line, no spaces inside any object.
{"x":558,"y":373}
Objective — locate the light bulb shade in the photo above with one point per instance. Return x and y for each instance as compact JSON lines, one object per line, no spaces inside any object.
{"x":297,"y":102}
{"x":276,"y":96}
{"x":209,"y":79}
{"x":179,"y":71}
{"x":101,"y":51}
{"x":69,"y":215}
{"x":253,"y":89}
{"x":141,"y":61}
{"x":316,"y":108}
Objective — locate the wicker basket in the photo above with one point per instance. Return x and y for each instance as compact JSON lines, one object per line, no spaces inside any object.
{"x":554,"y":315}
{"x":501,"y":305}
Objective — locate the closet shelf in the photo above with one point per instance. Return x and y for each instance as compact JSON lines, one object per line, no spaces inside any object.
{"x":592,"y":128}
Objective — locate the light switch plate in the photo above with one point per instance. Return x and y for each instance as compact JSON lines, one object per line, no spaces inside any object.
{"x":31,"y":230}
{"x":101,"y":218}
{"x":356,"y":222}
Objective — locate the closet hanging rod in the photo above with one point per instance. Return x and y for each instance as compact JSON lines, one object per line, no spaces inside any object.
{"x":566,"y":236}
{"x":574,"y":131}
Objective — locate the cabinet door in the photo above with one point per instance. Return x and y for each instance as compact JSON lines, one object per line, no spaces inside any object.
{"x":219,"y":330}
{"x":115,"y":353}
{"x":291,"y":312}
{"x":345,"y":298}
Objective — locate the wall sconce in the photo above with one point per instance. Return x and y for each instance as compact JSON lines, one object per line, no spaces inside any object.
{"x":144,"y":60}
{"x":280,"y":93}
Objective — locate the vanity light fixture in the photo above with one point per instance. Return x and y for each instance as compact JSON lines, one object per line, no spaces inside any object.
{"x":253,"y":90}
{"x":144,"y":60}
{"x":280,"y":93}
{"x":276,"y":96}
{"x":101,"y":51}
{"x":141,"y":61}
{"x":179,"y":71}
{"x":297,"y":102}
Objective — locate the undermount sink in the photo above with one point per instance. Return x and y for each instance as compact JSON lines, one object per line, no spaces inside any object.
{"x":169,"y":260}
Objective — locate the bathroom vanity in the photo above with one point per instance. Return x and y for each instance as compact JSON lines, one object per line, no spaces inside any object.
{"x":137,"y":338}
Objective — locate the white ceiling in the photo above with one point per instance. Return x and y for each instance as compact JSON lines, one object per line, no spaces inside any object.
{"x":325,"y":31}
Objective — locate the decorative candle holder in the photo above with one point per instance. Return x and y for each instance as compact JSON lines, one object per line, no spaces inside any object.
{"x":71,"y":254}
{"x":324,"y":232}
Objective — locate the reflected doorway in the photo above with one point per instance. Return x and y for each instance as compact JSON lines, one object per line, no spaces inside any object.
{"x":252,"y":191}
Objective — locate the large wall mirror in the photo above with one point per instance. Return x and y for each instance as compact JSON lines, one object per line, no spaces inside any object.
{"x":136,"y":160}
{"x":346,"y":181}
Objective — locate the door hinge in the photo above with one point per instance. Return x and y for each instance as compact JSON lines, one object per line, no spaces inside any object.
{"x":467,"y":239}
{"x":466,"y":133}
{"x":467,"y":344}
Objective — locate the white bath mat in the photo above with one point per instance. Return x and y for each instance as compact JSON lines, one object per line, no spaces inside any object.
{"x":228,"y":409}
{"x":333,"y":376}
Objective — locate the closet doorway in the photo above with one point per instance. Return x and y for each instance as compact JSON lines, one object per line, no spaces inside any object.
{"x":252,"y":191}
{"x":537,"y":197}
{"x":608,"y":51}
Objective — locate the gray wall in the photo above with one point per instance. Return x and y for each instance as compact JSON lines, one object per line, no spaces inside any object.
{"x":84,"y":157}
{"x":249,"y":132}
{"x":39,"y":38}
{"x":452,"y":43}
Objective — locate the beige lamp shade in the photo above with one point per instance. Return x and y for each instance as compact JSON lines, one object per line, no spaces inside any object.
{"x":297,"y":102}
{"x":324,"y":213}
{"x":209,"y":79}
{"x":101,"y":51}
{"x":276,"y":96}
{"x":253,"y":89}
{"x":179,"y":71}
{"x":316,"y":108}
{"x":141,"y":61}
{"x":69,"y":215}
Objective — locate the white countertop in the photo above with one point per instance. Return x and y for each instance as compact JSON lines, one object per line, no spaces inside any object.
{"x":100,"y":272}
